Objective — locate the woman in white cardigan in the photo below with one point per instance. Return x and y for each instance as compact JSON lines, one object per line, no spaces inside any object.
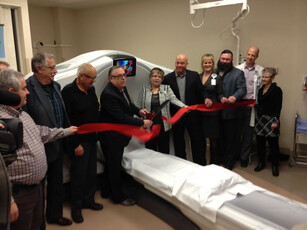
{"x":151,"y":97}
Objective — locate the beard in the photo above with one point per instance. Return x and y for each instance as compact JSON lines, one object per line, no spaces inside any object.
{"x":224,"y":67}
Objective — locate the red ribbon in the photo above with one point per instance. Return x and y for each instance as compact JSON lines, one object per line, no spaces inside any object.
{"x":128,"y":130}
{"x":145,"y":135}
{"x":203,"y":107}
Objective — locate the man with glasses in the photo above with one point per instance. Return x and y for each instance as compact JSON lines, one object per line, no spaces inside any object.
{"x":46,"y":107}
{"x":116,"y":107}
{"x":82,"y":107}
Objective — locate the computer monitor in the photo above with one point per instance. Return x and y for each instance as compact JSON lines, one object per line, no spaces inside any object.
{"x":128,"y":63}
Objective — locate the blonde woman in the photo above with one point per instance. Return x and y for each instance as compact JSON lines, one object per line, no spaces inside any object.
{"x":213,"y":86}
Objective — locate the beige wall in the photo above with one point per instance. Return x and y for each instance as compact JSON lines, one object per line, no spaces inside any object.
{"x":23,"y":28}
{"x":158,"y":30}
{"x":54,"y":25}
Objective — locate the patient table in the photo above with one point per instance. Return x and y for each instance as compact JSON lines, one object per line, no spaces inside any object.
{"x":211,"y":196}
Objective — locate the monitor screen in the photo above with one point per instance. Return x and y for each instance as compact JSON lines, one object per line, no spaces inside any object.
{"x":129,"y":65}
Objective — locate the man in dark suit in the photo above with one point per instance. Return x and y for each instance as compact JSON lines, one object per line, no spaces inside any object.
{"x":116,"y":107}
{"x":187,"y":87}
{"x":46,"y":107}
{"x":234,"y":88}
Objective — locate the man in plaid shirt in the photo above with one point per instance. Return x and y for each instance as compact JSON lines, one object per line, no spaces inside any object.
{"x":28,"y":171}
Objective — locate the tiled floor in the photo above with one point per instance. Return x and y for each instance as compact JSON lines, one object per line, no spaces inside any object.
{"x":291,"y":183}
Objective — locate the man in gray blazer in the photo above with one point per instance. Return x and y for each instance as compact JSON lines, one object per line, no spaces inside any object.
{"x":234,"y":88}
{"x":45,"y":105}
{"x":252,"y":73}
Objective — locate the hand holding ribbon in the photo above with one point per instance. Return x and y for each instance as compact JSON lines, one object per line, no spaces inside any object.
{"x":203,"y":107}
{"x":128,"y":130}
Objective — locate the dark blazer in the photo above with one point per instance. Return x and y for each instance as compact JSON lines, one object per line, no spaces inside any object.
{"x":194,"y":93}
{"x":234,"y":84}
{"x":115,"y":109}
{"x":40,"y":109}
{"x":269,"y":103}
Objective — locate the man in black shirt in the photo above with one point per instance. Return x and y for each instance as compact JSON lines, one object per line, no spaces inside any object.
{"x":82,"y":107}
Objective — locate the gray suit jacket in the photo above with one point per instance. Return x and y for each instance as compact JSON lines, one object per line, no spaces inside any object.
{"x":40,"y":109}
{"x":234,"y":84}
{"x":165,"y":93}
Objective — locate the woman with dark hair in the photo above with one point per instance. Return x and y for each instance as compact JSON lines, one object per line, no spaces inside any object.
{"x":267,"y":119}
{"x":151,"y":97}
{"x":213,"y":86}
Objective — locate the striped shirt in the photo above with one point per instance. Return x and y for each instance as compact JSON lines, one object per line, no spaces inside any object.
{"x":31,"y":164}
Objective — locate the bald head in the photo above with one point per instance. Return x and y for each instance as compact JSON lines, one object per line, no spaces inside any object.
{"x":251,"y":56}
{"x":181,"y":64}
{"x":4,"y":65}
{"x":86,"y":76}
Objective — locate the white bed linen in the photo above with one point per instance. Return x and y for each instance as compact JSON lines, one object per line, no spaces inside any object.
{"x":201,"y":188}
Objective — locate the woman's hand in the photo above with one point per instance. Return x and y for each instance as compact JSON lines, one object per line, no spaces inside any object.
{"x":274,"y":126}
{"x":208,"y":102}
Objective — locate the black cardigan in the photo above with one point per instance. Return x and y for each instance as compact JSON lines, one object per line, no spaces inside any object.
{"x":270,"y":103}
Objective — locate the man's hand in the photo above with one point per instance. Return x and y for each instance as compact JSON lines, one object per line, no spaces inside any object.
{"x":224,"y":100}
{"x":232,"y":99}
{"x":79,"y":151}
{"x":147,"y":123}
{"x":143,"y":112}
{"x":73,"y":129}
{"x":208,"y":102}
{"x":14,"y":212}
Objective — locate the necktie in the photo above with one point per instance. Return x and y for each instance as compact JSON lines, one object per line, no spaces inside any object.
{"x":126,"y":98}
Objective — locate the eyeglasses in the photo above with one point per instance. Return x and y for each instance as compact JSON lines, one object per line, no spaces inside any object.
{"x":50,"y":67}
{"x":93,"y":78}
{"x":120,"y":75}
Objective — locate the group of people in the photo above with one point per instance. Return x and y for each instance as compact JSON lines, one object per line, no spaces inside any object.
{"x":230,"y":131}
{"x":49,"y":114}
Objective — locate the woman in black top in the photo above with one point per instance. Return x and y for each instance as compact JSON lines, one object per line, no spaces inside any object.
{"x":213,"y":85}
{"x":267,"y":119}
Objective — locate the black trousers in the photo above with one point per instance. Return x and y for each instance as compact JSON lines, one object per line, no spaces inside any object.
{"x":160,"y":143}
{"x":113,"y":167}
{"x":29,"y":200}
{"x":83,"y":174}
{"x":55,"y":189}
{"x":274,"y":149}
{"x":230,"y":140}
{"x":247,"y":134}
{"x":193,"y":125}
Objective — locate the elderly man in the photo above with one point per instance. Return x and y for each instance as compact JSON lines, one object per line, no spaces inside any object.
{"x":46,"y":107}
{"x":28,"y":171}
{"x":116,"y":107}
{"x":82,"y":107}
{"x":234,"y":88}
{"x":252,"y":73}
{"x":187,"y":87}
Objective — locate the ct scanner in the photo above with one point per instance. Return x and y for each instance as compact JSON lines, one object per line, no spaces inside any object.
{"x":186,"y":195}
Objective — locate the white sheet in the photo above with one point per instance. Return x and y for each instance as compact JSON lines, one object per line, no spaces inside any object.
{"x":202,"y":188}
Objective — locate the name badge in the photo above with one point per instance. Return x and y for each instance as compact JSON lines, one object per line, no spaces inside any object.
{"x":213,"y":81}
